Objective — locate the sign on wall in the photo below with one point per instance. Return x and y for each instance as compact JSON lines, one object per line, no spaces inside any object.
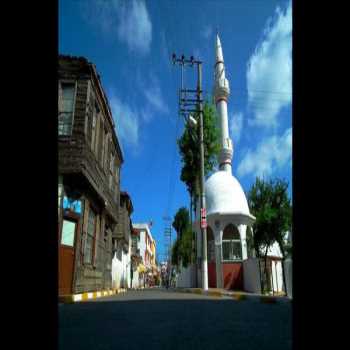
{"x":72,"y":204}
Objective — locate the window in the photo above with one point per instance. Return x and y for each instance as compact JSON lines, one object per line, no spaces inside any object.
{"x":65,"y":116}
{"x":91,"y":226}
{"x":110,"y":171}
{"x":95,"y":127}
{"x":231,"y":244}
{"x":68,"y":232}
{"x":100,"y":142}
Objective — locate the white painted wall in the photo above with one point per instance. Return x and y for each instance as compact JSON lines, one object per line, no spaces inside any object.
{"x":121,"y":269}
{"x":135,"y":279}
{"x":143,"y":244}
{"x":277,"y":276}
{"x":185,"y":277}
{"x":288,"y":265}
{"x":117,"y":271}
{"x":251,"y":276}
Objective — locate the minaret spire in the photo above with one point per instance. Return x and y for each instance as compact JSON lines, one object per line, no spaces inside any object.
{"x":221,"y":93}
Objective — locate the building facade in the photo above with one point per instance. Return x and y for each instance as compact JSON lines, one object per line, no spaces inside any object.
{"x":147,"y":252}
{"x":121,"y":241}
{"x":89,"y":162}
{"x":137,"y":267}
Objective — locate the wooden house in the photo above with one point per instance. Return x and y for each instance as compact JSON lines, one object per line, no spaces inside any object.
{"x":89,"y":162}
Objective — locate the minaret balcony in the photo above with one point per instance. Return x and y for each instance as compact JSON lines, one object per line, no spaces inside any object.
{"x":221,"y":89}
{"x":225,"y":155}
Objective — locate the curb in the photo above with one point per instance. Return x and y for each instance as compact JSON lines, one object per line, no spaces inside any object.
{"x":235,"y":296}
{"x":72,"y":298}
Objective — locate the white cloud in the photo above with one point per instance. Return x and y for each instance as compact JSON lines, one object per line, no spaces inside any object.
{"x":206,"y":32}
{"x":269,"y":69}
{"x":150,"y":87}
{"x":270,"y":155}
{"x":127,"y":20}
{"x":135,"y":26}
{"x":153,"y":94}
{"x":126,"y":121}
{"x":236,"y":124}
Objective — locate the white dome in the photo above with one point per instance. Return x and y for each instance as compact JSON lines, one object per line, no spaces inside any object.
{"x":224,"y":194}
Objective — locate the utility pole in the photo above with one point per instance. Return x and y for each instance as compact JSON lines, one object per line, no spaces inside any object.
{"x":186,"y":101}
{"x":167,"y":240}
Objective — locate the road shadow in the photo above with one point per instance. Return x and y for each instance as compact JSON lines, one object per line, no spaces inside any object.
{"x":175,"y":324}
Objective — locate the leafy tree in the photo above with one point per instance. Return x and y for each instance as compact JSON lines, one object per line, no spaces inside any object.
{"x":186,"y":246}
{"x":175,"y":252}
{"x":181,"y":221}
{"x":189,"y":148}
{"x":250,"y":242}
{"x":182,"y":248}
{"x":269,"y":203}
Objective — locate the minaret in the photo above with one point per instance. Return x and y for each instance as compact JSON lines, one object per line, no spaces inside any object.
{"x":221,"y":93}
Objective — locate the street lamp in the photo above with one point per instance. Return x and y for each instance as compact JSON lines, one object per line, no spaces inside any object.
{"x":192,"y":121}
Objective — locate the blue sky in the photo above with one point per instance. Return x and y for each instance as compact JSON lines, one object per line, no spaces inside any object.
{"x":131,"y":42}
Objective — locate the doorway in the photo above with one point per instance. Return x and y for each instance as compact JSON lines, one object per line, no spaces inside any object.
{"x":67,"y":255}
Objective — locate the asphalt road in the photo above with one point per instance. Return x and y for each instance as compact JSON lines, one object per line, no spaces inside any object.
{"x":160,"y":319}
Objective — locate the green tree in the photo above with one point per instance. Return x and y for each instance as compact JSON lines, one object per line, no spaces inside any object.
{"x":190,"y":150}
{"x":186,"y":246}
{"x":175,"y":252}
{"x":181,"y":221}
{"x":182,"y":248}
{"x":269,"y":203}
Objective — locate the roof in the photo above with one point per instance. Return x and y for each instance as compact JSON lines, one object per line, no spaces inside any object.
{"x":143,"y":226}
{"x":125,"y":196}
{"x":224,"y":194}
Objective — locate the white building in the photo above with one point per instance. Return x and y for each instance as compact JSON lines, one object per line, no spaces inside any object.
{"x":228,"y":265}
{"x":147,"y":250}
{"x":227,"y":208}
{"x":121,"y":262}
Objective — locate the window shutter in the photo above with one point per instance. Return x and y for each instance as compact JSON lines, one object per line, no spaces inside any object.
{"x":100,"y":142}
{"x":98,"y":230}
{"x":85,"y":223}
{"x":59,"y":97}
{"x":108,"y":153}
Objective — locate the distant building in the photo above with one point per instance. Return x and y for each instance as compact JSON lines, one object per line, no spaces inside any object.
{"x":121,"y":264}
{"x":147,"y":251}
{"x":137,"y":267}
{"x":89,"y":161}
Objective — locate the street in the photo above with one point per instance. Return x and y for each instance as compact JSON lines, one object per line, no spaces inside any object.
{"x":164,"y":319}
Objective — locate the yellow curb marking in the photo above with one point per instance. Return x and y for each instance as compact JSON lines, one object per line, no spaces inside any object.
{"x":197,"y":291}
{"x":214,"y":294}
{"x":239,"y":296}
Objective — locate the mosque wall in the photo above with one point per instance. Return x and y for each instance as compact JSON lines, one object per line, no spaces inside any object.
{"x":233,"y":275}
{"x":211,"y":275}
{"x":251,"y":276}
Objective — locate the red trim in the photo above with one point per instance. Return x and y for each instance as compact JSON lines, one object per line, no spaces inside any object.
{"x":221,"y":99}
{"x":223,"y":163}
{"x":218,"y":63}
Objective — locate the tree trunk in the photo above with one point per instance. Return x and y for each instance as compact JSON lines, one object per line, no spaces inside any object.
{"x":283,"y":271}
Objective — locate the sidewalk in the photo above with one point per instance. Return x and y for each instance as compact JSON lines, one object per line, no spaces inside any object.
{"x":72,"y":298}
{"x":236,"y":295}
